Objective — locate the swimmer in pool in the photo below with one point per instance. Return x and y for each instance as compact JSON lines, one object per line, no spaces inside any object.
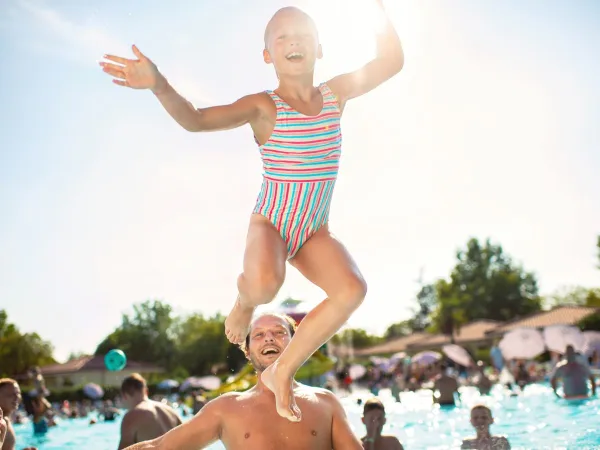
{"x":248,"y":420}
{"x":145,"y":418}
{"x":574,"y":376}
{"x":10,"y":398}
{"x":446,"y":385}
{"x":481,"y":419}
{"x":374,"y":420}
{"x":297,"y":129}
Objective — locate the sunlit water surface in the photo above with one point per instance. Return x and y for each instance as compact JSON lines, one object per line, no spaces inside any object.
{"x":533,"y":420}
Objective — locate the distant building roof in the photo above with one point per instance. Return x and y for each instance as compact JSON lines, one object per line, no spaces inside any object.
{"x":395,"y":345}
{"x":471,"y":332}
{"x":560,"y":315}
{"x":94,"y":364}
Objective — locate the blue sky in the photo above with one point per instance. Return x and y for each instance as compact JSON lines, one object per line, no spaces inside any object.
{"x":489,"y":131}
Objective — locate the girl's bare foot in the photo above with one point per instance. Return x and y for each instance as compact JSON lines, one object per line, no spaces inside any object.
{"x":283,"y":388}
{"x":237,"y":324}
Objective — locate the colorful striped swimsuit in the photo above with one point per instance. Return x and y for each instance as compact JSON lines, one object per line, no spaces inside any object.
{"x":300,"y":163}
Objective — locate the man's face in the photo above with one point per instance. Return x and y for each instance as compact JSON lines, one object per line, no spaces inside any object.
{"x":481,"y":418}
{"x":10,"y":397}
{"x":269,"y":336}
{"x":374,"y":420}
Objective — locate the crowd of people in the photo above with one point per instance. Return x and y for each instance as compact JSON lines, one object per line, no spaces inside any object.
{"x":232,"y":418}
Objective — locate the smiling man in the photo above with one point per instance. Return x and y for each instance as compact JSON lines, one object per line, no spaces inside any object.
{"x":249,"y":421}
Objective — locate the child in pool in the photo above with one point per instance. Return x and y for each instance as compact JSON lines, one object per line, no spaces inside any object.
{"x":481,"y":419}
{"x":297,"y":129}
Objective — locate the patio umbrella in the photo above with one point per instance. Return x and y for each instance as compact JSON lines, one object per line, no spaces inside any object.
{"x":557,"y":337}
{"x":356,"y":371}
{"x":458,"y":354}
{"x":592,"y":343}
{"x":522,"y":343}
{"x":426,"y":357}
{"x":93,"y":391}
{"x":168,"y":384}
{"x":209,"y":383}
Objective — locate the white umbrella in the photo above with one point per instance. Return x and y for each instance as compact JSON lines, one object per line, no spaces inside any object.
{"x":592,"y":343}
{"x":168,"y":384}
{"x":426,"y":357}
{"x":522,"y":343}
{"x":93,"y":391}
{"x":458,"y":354}
{"x":356,"y":371}
{"x":558,"y":337}
{"x":398,"y":356}
{"x":209,"y":383}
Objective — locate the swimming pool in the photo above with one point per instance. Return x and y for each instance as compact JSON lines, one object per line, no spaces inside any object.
{"x":533,"y":420}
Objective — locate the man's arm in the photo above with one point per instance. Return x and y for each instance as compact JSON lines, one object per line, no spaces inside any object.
{"x":128,"y":430}
{"x":341,"y":434}
{"x":198,"y":433}
{"x":554,"y":380}
{"x":387,"y":63}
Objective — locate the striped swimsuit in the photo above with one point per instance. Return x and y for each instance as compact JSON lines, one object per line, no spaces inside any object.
{"x":300,"y":163}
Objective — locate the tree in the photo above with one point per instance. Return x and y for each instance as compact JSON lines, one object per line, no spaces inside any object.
{"x":147,"y":335}
{"x":598,"y":249}
{"x":484,"y":284}
{"x":20,"y":352}
{"x":358,"y":337}
{"x":574,"y":295}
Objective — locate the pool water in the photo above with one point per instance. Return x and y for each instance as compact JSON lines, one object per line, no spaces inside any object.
{"x":533,"y":420}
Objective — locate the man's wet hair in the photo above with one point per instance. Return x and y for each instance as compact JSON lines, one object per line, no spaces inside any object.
{"x":7,"y":382}
{"x":373,"y":404}
{"x":133,"y":384}
{"x":483,"y":407}
{"x":292,"y":325}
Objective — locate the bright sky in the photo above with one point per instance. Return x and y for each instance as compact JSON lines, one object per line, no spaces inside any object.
{"x":490,"y":130}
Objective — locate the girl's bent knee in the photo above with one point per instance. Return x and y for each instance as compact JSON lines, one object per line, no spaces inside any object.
{"x":353,"y":291}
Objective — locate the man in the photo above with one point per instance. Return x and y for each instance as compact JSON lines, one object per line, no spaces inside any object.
{"x":10,"y":397}
{"x":574,"y":376}
{"x":446,"y":385}
{"x":249,"y":421}
{"x":482,"y":382}
{"x":146,"y":419}
{"x":374,"y":420}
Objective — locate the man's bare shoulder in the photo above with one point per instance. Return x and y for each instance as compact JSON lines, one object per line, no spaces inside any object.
{"x":392,"y":442}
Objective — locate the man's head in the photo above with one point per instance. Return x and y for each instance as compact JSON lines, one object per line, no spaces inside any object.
{"x":570,"y":353}
{"x":269,"y":335}
{"x":374,"y":416}
{"x":292,"y":42}
{"x":10,"y":395}
{"x":481,"y":417}
{"x":133,"y":390}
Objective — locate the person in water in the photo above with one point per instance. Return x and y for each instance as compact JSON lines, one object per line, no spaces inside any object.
{"x":445,"y":386}
{"x":481,"y":419}
{"x":10,"y":398}
{"x":297,"y":129}
{"x":574,"y":375}
{"x":145,"y":418}
{"x":374,"y":420}
{"x":248,"y":420}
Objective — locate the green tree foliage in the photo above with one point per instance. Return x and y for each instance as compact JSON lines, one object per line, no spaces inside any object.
{"x":484,"y":284}
{"x":598,"y":249}
{"x":358,"y":337}
{"x":191,"y":345}
{"x":20,"y":352}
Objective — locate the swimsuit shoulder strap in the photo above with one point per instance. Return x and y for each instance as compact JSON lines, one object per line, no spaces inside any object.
{"x":328,"y":95}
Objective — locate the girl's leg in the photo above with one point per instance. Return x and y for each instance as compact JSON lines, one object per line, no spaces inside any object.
{"x":263,"y":275}
{"x":324,"y":261}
